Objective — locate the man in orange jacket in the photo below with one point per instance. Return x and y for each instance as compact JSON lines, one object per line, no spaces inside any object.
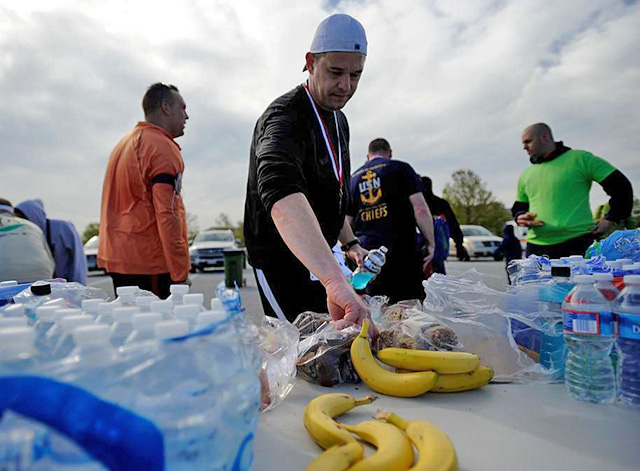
{"x":143,"y":230}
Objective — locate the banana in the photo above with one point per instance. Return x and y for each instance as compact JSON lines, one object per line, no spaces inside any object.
{"x":435,"y":450}
{"x":337,"y":458}
{"x":319,"y":414}
{"x":422,"y":360}
{"x":465,"y":381}
{"x":394,"y":451}
{"x":385,"y":381}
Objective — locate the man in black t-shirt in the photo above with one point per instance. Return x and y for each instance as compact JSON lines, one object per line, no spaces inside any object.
{"x":298,"y":182}
{"x":385,"y":207}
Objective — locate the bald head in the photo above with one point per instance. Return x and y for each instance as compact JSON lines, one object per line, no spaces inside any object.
{"x":537,"y":140}
{"x":539,"y":129}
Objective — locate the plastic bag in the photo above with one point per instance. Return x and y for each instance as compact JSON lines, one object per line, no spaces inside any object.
{"x":189,"y":403}
{"x":405,"y":325}
{"x":476,"y":313}
{"x":323,"y":355}
{"x":68,"y":294}
{"x":278,"y":342}
{"x":620,"y":244}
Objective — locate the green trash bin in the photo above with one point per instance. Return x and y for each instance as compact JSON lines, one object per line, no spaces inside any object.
{"x":233,"y":261}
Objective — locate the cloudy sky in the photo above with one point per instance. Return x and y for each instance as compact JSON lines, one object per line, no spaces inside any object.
{"x":450,"y":83}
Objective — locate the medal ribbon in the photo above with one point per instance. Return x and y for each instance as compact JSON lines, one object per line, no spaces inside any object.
{"x":336,"y":161}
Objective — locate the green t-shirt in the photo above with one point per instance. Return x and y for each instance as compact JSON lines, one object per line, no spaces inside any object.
{"x":558,"y":191}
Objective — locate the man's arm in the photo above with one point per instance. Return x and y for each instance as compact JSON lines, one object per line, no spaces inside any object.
{"x":299,"y":228}
{"x":170,"y":219}
{"x":619,"y":188}
{"x":356,"y":252}
{"x":424,"y":220}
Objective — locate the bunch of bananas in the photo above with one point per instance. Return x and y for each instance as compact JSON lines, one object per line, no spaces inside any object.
{"x":392,"y":438}
{"x":417,"y":371}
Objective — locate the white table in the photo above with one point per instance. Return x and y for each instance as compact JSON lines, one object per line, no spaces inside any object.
{"x":499,"y":427}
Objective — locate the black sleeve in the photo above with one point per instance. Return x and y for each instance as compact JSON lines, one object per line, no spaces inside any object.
{"x":518,"y":208}
{"x":278,"y":160}
{"x":411,"y":180}
{"x":452,"y":222}
{"x":619,"y":188}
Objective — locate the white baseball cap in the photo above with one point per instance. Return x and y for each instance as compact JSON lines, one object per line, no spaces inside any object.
{"x":339,"y":33}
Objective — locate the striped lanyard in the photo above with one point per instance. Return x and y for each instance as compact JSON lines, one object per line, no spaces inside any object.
{"x":336,"y":162}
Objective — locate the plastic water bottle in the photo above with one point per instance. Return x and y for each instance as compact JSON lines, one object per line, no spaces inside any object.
{"x":144,"y":324}
{"x":207,"y":318}
{"x":553,"y":350}
{"x":588,"y":330}
{"x":123,"y":324}
{"x":373,"y":263}
{"x":92,"y":307}
{"x":66,"y":342}
{"x":604,"y":284}
{"x":194,"y":299}
{"x":626,"y":308}
{"x":216,"y":305}
{"x":188,"y":313}
{"x":51,"y":338}
{"x":22,"y":441}
{"x":171,"y":329}
{"x":89,"y":361}
{"x":126,"y":295}
{"x":13,"y":322}
{"x":105,"y":313}
{"x":164,"y":307}
{"x":13,"y":310}
{"x":177,"y":293}
{"x":144,"y":302}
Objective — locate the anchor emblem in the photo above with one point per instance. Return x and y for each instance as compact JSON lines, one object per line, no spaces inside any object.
{"x":372,"y":185}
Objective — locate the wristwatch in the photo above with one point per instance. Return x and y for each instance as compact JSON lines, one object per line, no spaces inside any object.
{"x":350,"y":244}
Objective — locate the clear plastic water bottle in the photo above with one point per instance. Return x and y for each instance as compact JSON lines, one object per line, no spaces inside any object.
{"x":626,"y":308}
{"x":188,"y":313}
{"x":122,"y":324}
{"x":92,"y":307}
{"x":13,"y":322}
{"x":50,"y":340}
{"x":46,"y":317}
{"x":373,"y":263}
{"x":144,"y":302}
{"x":163,"y":307}
{"x":105,"y":313}
{"x":66,"y":343}
{"x":588,"y":330}
{"x":13,"y":310}
{"x":89,"y":361}
{"x":604,"y":284}
{"x":207,"y":318}
{"x":126,"y":296}
{"x":171,"y":329}
{"x":144,"y":324}
{"x":22,"y":441}
{"x":553,"y":350}
{"x":177,"y":293}
{"x":194,"y":299}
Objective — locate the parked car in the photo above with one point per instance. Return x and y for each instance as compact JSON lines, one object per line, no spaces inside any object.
{"x":207,"y":248}
{"x":91,"y":252}
{"x":479,"y":242}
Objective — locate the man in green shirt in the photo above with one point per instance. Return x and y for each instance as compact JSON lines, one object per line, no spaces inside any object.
{"x":553,"y":195}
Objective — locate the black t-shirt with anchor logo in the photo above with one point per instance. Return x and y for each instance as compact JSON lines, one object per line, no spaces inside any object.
{"x":379,"y":203}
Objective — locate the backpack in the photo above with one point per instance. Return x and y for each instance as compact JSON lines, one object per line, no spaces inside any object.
{"x":441,"y":235}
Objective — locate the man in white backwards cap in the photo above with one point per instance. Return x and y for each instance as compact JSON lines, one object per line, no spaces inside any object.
{"x":298,"y":184}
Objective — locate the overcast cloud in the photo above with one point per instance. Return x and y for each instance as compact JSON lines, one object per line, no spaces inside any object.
{"x":450,"y":83}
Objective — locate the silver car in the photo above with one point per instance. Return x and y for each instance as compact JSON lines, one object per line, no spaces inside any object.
{"x":479,"y":242}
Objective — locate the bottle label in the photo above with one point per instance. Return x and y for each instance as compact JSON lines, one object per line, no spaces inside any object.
{"x":629,"y":325}
{"x":588,"y":322}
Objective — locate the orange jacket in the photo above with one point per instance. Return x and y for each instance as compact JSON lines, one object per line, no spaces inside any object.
{"x":143,"y":229}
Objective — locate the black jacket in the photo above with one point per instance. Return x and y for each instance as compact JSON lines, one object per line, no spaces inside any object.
{"x":289,"y":155}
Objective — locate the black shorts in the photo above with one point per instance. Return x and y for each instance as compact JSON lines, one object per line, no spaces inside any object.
{"x":575,"y":246}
